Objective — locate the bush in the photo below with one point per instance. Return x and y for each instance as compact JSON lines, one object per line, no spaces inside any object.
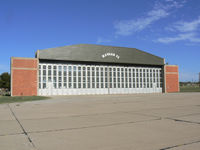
{"x":5,"y":81}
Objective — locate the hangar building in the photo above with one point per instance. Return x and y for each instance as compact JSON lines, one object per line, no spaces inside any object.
{"x":92,"y":69}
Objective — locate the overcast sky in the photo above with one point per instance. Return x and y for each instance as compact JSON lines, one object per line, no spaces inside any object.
{"x":166,"y":28}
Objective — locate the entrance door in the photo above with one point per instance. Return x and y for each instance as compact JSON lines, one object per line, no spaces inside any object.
{"x":154,"y":88}
{"x":49,"y":88}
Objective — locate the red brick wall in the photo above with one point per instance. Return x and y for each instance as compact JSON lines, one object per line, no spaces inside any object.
{"x":24,"y":63}
{"x":24,"y":76}
{"x":171,"y":78}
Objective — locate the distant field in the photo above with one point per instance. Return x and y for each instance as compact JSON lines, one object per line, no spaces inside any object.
{"x":9,"y":99}
{"x":189,"y":89}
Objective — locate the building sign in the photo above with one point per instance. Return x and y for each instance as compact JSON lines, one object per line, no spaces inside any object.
{"x":110,"y":54}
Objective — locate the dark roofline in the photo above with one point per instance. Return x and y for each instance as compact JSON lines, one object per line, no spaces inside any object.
{"x":100,"y":45}
{"x":94,"y":53}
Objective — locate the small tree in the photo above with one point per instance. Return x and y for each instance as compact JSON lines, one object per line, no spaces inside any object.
{"x":199,"y":79}
{"x":5,"y":80}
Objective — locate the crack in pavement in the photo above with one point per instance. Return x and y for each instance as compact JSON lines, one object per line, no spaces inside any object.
{"x":11,"y":134}
{"x":192,"y":114}
{"x":133,"y":112}
{"x":170,"y":147}
{"x":149,"y":115}
{"x":74,"y":116}
{"x":94,"y":114}
{"x":94,"y":126}
{"x":24,"y":131}
{"x":179,"y":120}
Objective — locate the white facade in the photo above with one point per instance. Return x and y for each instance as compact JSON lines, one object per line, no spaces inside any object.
{"x":79,"y":79}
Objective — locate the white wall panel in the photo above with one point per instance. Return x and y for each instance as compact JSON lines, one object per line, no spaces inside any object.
{"x":79,"y":79}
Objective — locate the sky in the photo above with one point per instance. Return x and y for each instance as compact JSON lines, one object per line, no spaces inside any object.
{"x":166,"y":28}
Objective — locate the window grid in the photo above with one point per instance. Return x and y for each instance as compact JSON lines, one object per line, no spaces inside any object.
{"x":39,"y":77}
{"x":86,"y":76}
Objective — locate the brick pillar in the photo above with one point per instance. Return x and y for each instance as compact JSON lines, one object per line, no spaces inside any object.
{"x":171,"y":78}
{"x":24,"y":76}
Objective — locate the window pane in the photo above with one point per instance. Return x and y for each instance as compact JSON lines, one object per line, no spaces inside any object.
{"x":69,"y":76}
{"x":79,"y":85}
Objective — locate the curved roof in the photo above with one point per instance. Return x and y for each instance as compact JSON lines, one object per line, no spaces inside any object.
{"x":100,"y":53}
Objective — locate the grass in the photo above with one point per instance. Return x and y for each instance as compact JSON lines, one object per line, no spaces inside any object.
{"x":189,"y":89}
{"x":14,"y":99}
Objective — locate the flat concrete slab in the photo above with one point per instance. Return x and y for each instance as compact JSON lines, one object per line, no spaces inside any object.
{"x":15,"y":142}
{"x":8,"y":124}
{"x":144,"y":135}
{"x":195,"y":118}
{"x":5,"y":113}
{"x":9,"y":127}
{"x":106,"y":122}
{"x":83,"y":121}
{"x":173,"y":112}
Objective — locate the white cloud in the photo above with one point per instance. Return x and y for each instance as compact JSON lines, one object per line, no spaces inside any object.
{"x":128,"y":27}
{"x":103,"y":40}
{"x":176,"y":4}
{"x":180,"y":37}
{"x":183,"y":26}
{"x":185,"y":31}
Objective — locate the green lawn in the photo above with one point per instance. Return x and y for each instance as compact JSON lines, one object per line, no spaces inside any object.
{"x":9,"y":99}
{"x":189,"y":89}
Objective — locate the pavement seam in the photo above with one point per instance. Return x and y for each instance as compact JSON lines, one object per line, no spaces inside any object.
{"x":95,"y":126}
{"x":96,"y":114}
{"x":11,"y":134}
{"x":24,"y":131}
{"x":73,"y":116}
{"x":166,"y":117}
{"x":193,"y":114}
{"x":136,"y":112}
{"x":141,"y":114}
{"x":179,"y":120}
{"x":175,"y":146}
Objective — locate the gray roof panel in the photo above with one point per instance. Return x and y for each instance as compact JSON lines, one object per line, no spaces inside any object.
{"x":100,"y":53}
